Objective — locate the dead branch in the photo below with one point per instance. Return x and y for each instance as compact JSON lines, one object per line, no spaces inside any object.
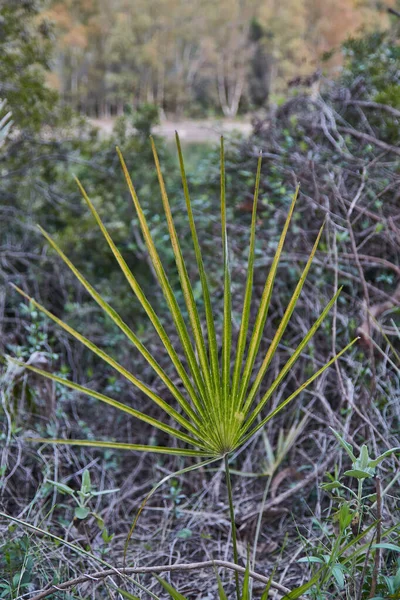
{"x":371,"y":139}
{"x":98,"y":575}
{"x":375,"y":105}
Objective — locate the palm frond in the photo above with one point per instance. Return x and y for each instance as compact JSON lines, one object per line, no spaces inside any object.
{"x":217,"y":412}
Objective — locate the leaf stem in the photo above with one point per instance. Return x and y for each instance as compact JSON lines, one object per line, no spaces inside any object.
{"x":233,"y":524}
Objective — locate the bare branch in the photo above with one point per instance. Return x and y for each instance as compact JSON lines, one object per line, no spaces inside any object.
{"x":375,"y":105}
{"x":93,"y":577}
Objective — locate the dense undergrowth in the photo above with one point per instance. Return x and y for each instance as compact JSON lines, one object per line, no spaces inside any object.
{"x":342,"y":146}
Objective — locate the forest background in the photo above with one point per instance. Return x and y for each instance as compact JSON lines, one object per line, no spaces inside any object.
{"x":197,"y":58}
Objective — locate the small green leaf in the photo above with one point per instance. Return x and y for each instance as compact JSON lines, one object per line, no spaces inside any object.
{"x":370,"y":497}
{"x":345,"y":445}
{"x":62,"y":487}
{"x":363,"y":459}
{"x":311,"y":559}
{"x":337,"y":572}
{"x":106,"y":537}
{"x":184,"y":534}
{"x":86,"y":483}
{"x":346,"y":515}
{"x":379,"y":459}
{"x":359,"y":474}
{"x":99,"y":521}
{"x":102,"y":493}
{"x":81,"y":512}
{"x":331,"y":486}
{"x":387,"y":546}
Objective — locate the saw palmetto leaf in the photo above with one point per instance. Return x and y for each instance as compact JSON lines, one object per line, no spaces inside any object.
{"x":217,"y":410}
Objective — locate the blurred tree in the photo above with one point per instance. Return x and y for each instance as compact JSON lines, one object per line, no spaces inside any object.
{"x":230,"y":49}
{"x":81,"y":31}
{"x":331,"y":22}
{"x":155,"y":52}
{"x":189,"y":57}
{"x":260,"y":64}
{"x":25,"y":50}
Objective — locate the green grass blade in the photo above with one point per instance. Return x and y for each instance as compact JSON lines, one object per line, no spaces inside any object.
{"x":113,"y":363}
{"x":167,"y":290}
{"x":121,"y":446}
{"x":265,"y":594}
{"x":300,"y":591}
{"x":171,"y":590}
{"x":281,"y":328}
{"x":221,"y":592}
{"x":246,"y":583}
{"x":282,"y":405}
{"x":111,"y":402}
{"x":227,"y":318}
{"x":294,"y":357}
{"x":185,"y":282}
{"x":114,"y":316}
{"x":127,"y":595}
{"x":212,"y":337}
{"x":143,"y":301}
{"x":263,"y":308}
{"x":244,"y":325}
{"x":344,"y":550}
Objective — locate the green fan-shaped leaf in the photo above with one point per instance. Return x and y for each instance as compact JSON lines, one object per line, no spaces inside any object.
{"x":211,"y":397}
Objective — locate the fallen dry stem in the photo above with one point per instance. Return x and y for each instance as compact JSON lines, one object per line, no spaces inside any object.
{"x":98,"y":575}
